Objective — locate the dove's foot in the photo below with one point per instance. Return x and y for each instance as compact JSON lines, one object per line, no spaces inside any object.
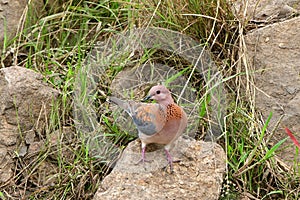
{"x":170,"y":161}
{"x":143,"y":159}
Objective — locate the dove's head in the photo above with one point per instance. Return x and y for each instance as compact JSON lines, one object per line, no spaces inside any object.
{"x":161,"y":94}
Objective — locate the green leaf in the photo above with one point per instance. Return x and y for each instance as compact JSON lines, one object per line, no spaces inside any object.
{"x":273,"y":149}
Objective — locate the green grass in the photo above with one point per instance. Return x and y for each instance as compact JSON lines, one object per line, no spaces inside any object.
{"x":56,"y":44}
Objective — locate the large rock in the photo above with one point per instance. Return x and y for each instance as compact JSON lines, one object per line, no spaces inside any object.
{"x":198,"y":174}
{"x":274,"y":53}
{"x":266,"y":11}
{"x":25,"y":103}
{"x":11,"y":13}
{"x":25,"y":99}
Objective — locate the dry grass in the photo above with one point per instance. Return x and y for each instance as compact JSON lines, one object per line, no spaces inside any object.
{"x":56,"y":44}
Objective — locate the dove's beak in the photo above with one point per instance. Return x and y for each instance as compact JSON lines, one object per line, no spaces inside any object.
{"x":146,"y":98}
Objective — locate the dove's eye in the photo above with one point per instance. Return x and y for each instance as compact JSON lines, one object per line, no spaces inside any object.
{"x":158,"y":92}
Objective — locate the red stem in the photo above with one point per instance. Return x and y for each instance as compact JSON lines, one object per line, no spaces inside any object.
{"x":292,"y":137}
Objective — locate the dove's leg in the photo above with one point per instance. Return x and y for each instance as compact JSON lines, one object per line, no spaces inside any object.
{"x":170,"y":159}
{"x":143,"y":158}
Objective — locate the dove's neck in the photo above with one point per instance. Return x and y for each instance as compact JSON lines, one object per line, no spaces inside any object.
{"x":166,"y":101}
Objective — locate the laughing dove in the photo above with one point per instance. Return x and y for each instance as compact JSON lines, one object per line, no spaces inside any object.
{"x":161,"y":123}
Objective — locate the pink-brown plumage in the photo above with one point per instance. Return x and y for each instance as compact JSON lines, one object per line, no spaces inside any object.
{"x":161,"y":123}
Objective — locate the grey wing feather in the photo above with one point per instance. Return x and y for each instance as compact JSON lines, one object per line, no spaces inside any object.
{"x":145,"y":127}
{"x":149,"y":123}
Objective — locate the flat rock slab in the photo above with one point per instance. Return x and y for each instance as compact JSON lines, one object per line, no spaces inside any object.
{"x":274,"y":53}
{"x":198,"y":173}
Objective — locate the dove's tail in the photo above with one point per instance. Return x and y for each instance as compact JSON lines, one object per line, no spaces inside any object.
{"x":119,"y":102}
